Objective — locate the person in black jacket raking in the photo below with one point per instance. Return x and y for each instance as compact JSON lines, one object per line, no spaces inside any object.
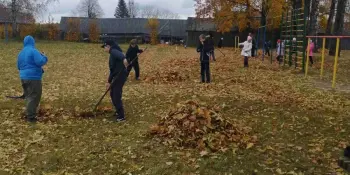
{"x":118,"y":74}
{"x":204,"y":49}
{"x":131,"y":56}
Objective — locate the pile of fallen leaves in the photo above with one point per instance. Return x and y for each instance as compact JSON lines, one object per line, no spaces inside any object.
{"x":192,"y":125}
{"x":167,"y":77}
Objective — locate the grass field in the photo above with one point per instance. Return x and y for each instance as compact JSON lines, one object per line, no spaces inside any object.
{"x":301,"y":125}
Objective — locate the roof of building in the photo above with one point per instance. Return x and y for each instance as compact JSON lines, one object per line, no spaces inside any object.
{"x":22,"y":18}
{"x":203,"y":25}
{"x":167,"y":27}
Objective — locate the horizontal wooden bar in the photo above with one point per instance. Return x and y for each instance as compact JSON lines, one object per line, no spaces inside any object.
{"x":327,"y":36}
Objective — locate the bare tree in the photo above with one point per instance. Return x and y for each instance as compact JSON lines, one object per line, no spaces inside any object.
{"x":338,"y":24}
{"x":313,"y":17}
{"x":133,"y":9}
{"x":149,"y":11}
{"x":25,"y":8}
{"x":90,"y":9}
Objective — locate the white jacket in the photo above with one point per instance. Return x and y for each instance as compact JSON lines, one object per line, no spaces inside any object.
{"x":247,"y":48}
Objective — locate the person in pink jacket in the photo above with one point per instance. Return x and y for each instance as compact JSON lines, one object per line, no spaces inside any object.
{"x":311,"y":52}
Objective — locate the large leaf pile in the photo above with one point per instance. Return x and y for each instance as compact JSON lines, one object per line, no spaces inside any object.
{"x":168,"y":76}
{"x":192,"y":125}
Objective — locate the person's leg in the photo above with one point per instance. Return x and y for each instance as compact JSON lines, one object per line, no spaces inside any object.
{"x":246,"y":61}
{"x":214,"y":55}
{"x":137,"y":70}
{"x":203,"y":72}
{"x":311,"y":60}
{"x":207,"y":71}
{"x":33,"y":91}
{"x":116,"y":95}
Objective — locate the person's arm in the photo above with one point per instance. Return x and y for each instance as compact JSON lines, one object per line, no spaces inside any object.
{"x":200,"y":47}
{"x":139,"y":50}
{"x":39,"y":58}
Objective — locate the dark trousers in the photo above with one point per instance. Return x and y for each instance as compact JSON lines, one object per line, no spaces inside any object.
{"x":267,"y":51}
{"x":32,"y":93}
{"x":213,"y":55}
{"x":246,"y":61}
{"x":136,"y":67}
{"x":311,"y":60}
{"x":117,"y":92}
{"x":205,"y":72}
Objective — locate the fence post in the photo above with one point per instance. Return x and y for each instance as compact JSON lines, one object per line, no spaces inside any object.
{"x":323,"y":50}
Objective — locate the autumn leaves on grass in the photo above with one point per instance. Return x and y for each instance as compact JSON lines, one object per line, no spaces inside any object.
{"x":201,"y":127}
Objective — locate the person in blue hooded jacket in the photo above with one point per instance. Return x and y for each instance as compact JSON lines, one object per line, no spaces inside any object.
{"x":30,"y":62}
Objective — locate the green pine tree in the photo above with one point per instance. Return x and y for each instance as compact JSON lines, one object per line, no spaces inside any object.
{"x":121,"y":11}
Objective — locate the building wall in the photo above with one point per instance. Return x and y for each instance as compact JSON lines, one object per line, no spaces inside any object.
{"x":229,"y":38}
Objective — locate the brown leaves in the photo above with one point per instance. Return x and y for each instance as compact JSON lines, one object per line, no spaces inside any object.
{"x":166,"y":76}
{"x":192,"y":125}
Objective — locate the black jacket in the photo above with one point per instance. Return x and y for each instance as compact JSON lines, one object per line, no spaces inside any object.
{"x":116,"y":65}
{"x":211,"y":43}
{"x":132,"y":53}
{"x":220,"y":43}
{"x":205,"y":50}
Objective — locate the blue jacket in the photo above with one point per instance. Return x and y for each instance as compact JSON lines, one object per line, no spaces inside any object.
{"x":30,"y":61}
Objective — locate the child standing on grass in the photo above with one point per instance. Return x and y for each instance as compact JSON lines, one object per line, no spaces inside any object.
{"x":204,"y":49}
{"x":280,"y":51}
{"x":311,"y":52}
{"x":132,"y":58}
{"x":247,"y":50}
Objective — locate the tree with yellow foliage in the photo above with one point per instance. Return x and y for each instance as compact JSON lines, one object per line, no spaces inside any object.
{"x":26,"y":29}
{"x":153,"y":25}
{"x":241,"y":13}
{"x":73,"y":27}
{"x":93,"y":31}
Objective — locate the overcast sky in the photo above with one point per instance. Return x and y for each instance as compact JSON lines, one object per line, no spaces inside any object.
{"x":185,"y":8}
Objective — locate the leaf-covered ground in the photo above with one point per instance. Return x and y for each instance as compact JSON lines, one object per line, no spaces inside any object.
{"x":301,"y":126}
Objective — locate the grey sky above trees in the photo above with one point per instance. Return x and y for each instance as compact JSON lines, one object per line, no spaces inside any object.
{"x":184,"y":8}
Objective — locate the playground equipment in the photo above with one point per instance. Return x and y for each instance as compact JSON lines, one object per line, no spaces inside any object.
{"x":6,"y":33}
{"x":323,"y":53}
{"x":292,"y":25}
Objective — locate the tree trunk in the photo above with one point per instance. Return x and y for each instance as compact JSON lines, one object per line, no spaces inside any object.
{"x":338,"y":25}
{"x":313,"y":17}
{"x":330,"y":22}
{"x":14,"y":12}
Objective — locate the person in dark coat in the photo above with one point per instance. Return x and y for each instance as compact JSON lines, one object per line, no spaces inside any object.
{"x":30,"y":62}
{"x":267,"y":46}
{"x":133,"y":60}
{"x":253,"y":44}
{"x":210,"y":40}
{"x":204,"y":48}
{"x":117,"y":77}
{"x":220,"y":42}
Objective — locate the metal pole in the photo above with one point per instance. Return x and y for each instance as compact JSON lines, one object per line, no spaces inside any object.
{"x":323,"y":50}
{"x":336,"y":63}
{"x":307,"y":59}
{"x":264,"y":49}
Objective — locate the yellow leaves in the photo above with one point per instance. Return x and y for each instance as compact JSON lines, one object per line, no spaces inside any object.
{"x":323,"y":22}
{"x":153,"y":25}
{"x":2,"y":31}
{"x":73,"y":29}
{"x":26,"y":29}
{"x":93,"y":31}
{"x":249,"y":145}
{"x":53,"y":31}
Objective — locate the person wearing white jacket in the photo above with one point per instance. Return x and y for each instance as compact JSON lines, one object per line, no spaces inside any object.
{"x":247,"y":50}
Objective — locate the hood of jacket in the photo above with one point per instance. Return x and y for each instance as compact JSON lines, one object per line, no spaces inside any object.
{"x":29,"y":41}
